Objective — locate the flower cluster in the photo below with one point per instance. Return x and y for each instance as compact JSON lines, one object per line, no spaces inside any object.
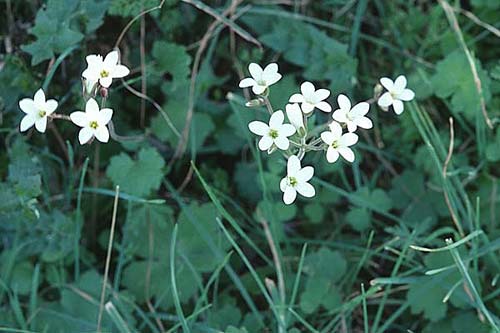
{"x":94,"y":121}
{"x":295,"y":139}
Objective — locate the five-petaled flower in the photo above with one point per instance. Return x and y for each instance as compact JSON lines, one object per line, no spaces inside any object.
{"x":352,"y":117}
{"x":37,"y":110}
{"x":275,"y":133}
{"x":311,"y":98}
{"x":93,"y":122}
{"x":104,"y":71}
{"x":396,"y":94}
{"x":338,"y":143}
{"x":296,"y":180}
{"x":261,"y":78}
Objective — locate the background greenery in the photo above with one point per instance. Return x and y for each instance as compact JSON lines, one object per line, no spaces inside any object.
{"x":346,"y":255}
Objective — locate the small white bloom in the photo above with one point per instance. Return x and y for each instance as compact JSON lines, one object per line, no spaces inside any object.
{"x":352,"y":117}
{"x":295,"y":116}
{"x":105,"y":70}
{"x":275,"y":133}
{"x":296,"y":181}
{"x":261,"y":78}
{"x":311,"y":98}
{"x":37,"y":110}
{"x":338,"y":143}
{"x":93,"y":122}
{"x":396,"y":94}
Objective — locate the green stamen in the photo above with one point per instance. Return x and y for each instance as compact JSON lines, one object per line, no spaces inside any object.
{"x":292,"y":181}
{"x":273,"y":133}
{"x":104,"y":73}
{"x":42,"y":113}
{"x":335,"y":144}
{"x":93,"y":124}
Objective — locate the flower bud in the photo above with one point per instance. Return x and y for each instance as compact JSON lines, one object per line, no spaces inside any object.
{"x":253,"y":103}
{"x":104,"y":92}
{"x":377,"y":91}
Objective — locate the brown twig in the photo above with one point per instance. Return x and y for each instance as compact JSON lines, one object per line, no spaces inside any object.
{"x":476,"y":20}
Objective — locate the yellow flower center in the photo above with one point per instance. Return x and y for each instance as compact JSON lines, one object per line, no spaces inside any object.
{"x":292,"y":181}
{"x":273,"y":133}
{"x":93,"y":124}
{"x":42,"y":113}
{"x":335,"y":144}
{"x":104,"y":73}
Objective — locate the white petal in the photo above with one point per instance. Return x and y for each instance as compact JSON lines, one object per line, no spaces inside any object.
{"x":85,"y":135}
{"x":400,"y":84}
{"x":344,"y":102}
{"x":92,"y":108}
{"x":305,"y":174}
{"x":406,"y":95}
{"x":351,"y":126}
{"x":39,"y":99}
{"x":307,"y":107}
{"x":105,"y":116}
{"x":277,"y":119}
{"x":387,"y":83}
{"x":91,"y":74}
{"x":287,"y":130}
{"x":324,"y":106}
{"x":305,"y":189}
{"x":297,"y":98}
{"x":289,"y":195}
{"x":293,"y":166}
{"x":307,"y":89}
{"x":79,"y":118}
{"x":41,"y":124}
{"x":364,"y":122}
{"x":283,"y":184}
{"x":270,"y":69}
{"x":332,"y":155}
{"x":27,"y":122}
{"x":347,"y":154}
{"x":282,"y":142}
{"x":27,"y":105}
{"x":271,"y":78}
{"x":93,"y":60}
{"x":50,"y":106}
{"x":258,"y":89}
{"x":294,"y":115}
{"x":328,"y":137}
{"x":256,"y":71}
{"x":120,"y":71}
{"x":247,"y":82}
{"x":321,"y":94}
{"x":111,"y":59}
{"x":398,"y":106}
{"x":348,"y":139}
{"x":340,"y":115}
{"x":106,"y":81}
{"x":360,"y":109}
{"x":259,"y":128}
{"x":102,"y":134}
{"x":385,"y":100}
{"x":336,"y":129}
{"x":265,"y":143}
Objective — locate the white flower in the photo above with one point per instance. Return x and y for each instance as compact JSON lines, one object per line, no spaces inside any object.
{"x":93,"y":122}
{"x":396,"y":94}
{"x":295,"y":116}
{"x":275,"y":133}
{"x":37,"y":110}
{"x":338,"y":143}
{"x":297,"y":181}
{"x":352,"y":117}
{"x":105,"y":70}
{"x":311,"y":98}
{"x":261,"y":78}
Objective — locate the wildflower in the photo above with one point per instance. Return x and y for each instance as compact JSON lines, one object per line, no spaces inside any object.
{"x":93,"y":122}
{"x":352,"y":117}
{"x":396,"y":94}
{"x":338,"y":143}
{"x":105,"y":70}
{"x":261,"y":78}
{"x":311,"y":98}
{"x":275,"y":133}
{"x":295,"y":117}
{"x":37,"y":110}
{"x":296,"y":181}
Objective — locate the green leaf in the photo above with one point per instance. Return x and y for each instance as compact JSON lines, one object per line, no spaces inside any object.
{"x":454,"y":79}
{"x":137,"y":177}
{"x":359,"y":218}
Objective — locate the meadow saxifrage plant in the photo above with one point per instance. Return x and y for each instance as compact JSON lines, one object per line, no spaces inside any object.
{"x":294,"y":140}
{"x":94,"y":122}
